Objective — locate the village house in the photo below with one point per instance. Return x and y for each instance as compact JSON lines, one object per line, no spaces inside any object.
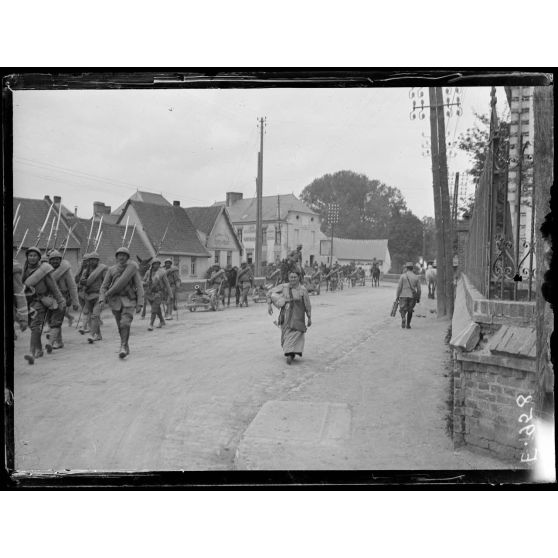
{"x":168,"y":232}
{"x":32,"y":214}
{"x":286,"y":223}
{"x":217,"y":234}
{"x":112,"y":235}
{"x":360,"y":252}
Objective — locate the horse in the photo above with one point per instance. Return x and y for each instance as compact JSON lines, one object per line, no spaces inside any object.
{"x":375,"y":276}
{"x":431,"y":280}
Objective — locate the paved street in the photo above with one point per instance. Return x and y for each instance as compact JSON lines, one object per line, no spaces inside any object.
{"x":188,"y":394}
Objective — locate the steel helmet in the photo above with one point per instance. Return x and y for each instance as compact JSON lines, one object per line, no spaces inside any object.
{"x":86,"y":257}
{"x":33,"y":249}
{"x":54,"y":254}
{"x":155,"y":261}
{"x":93,"y":256}
{"x":123,"y":250}
{"x":168,"y":260}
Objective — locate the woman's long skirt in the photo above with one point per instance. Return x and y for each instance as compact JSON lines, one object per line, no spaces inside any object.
{"x":292,"y":341}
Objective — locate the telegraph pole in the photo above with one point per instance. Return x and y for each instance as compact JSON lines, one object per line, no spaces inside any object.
{"x":259,"y":189}
{"x":440,"y":187}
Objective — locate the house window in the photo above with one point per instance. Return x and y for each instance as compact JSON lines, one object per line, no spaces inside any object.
{"x":239,"y":234}
{"x":229,"y":257}
{"x":525,"y":97}
{"x":175,"y":261}
{"x":217,"y":256}
{"x":526,"y":122}
{"x":249,"y":256}
{"x":311,"y":259}
{"x":193,"y":265}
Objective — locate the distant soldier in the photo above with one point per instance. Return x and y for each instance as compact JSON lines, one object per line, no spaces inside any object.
{"x":122,"y":289}
{"x":408,"y":293}
{"x":244,"y":280}
{"x":42,"y":294}
{"x":19,"y":302}
{"x":157,"y":288}
{"x":218,"y":280}
{"x":80,"y":279}
{"x":64,"y":278}
{"x":173,"y":276}
{"x":91,"y":287}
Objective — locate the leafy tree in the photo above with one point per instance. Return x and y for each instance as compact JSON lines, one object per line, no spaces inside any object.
{"x":405,"y":239}
{"x":367,"y":206}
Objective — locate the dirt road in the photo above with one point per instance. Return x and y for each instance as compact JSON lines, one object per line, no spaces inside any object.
{"x":188,"y":392}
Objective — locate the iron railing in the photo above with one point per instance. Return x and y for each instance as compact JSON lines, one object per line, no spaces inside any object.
{"x":498,"y":263}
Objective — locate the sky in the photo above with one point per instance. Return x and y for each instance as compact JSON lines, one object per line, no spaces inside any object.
{"x":195,"y":145}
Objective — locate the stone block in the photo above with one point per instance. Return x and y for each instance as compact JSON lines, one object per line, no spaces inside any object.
{"x":483,"y":386}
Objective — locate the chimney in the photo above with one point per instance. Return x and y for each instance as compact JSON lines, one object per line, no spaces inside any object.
{"x":57,"y":199}
{"x":176,"y":203}
{"x":233,"y":197}
{"x":75,"y":210}
{"x":47,"y":198}
{"x":101,"y":208}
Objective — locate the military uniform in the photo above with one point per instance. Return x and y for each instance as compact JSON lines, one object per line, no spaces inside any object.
{"x":157,"y":288}
{"x":244,"y":280}
{"x":19,"y":302}
{"x":218,"y":279}
{"x":42,"y":293}
{"x":62,"y":274}
{"x":91,"y":283}
{"x":122,"y":289}
{"x":173,"y":276}
{"x":408,"y":293}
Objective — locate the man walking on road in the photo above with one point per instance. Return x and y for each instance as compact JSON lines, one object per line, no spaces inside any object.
{"x":123,"y":290}
{"x":64,"y":278}
{"x":244,"y":280}
{"x":173,"y":276}
{"x":42,"y":294}
{"x":408,"y":294}
{"x":157,"y":288}
{"x":91,"y":284}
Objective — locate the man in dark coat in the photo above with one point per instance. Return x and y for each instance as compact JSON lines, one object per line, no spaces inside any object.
{"x":408,"y":293}
{"x":231,"y":273}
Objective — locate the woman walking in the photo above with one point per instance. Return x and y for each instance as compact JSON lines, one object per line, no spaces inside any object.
{"x":294,"y":301}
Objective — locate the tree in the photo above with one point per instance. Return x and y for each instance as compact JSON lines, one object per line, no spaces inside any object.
{"x":405,"y":240}
{"x":367,"y":206}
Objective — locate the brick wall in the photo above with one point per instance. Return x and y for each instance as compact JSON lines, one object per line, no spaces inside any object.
{"x":485,"y":412}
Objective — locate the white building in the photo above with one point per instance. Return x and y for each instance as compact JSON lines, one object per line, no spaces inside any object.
{"x":361,"y":252}
{"x":286,"y":223}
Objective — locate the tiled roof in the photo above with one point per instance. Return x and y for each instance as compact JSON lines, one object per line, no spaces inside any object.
{"x":146,"y":197}
{"x":245,"y":209}
{"x":181,"y":236}
{"x":203,"y":218}
{"x":32,"y":214}
{"x":356,"y":249}
{"x":111,"y":240}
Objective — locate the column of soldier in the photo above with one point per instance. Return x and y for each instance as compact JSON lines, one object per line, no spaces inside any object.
{"x":45,"y":288}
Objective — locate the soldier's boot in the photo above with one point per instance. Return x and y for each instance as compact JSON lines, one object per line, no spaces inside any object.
{"x":151,"y":322}
{"x":124,"y":336}
{"x":50,"y":337}
{"x":30,"y":356}
{"x":403,"y":320}
{"x":56,"y":336}
{"x":86,"y":326}
{"x":95,"y":330}
{"x":409,"y":316}
{"x":161,"y":320}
